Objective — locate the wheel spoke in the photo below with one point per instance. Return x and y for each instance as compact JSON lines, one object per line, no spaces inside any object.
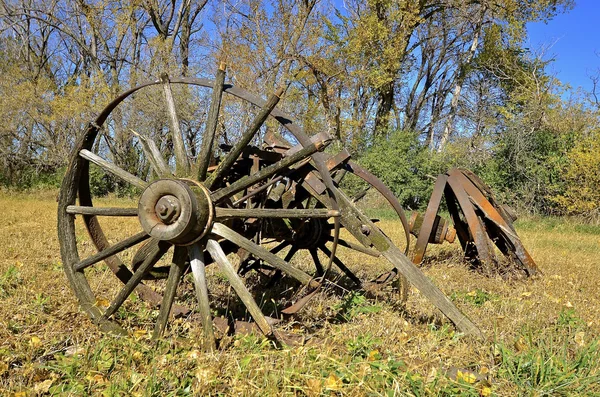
{"x":175,"y":273}
{"x":238,"y":285}
{"x":269,"y":171}
{"x":159,"y":164}
{"x":101,"y":211}
{"x":113,"y":169}
{"x":315,"y":257}
{"x":182,"y":161}
{"x":135,"y":279}
{"x":112,"y":250}
{"x":223,"y":213}
{"x":277,"y":276}
{"x":211,"y":124}
{"x":247,"y":136}
{"x":342,"y":266}
{"x":260,"y":252}
{"x":197,"y":264}
{"x":276,"y":179}
{"x":356,"y":247}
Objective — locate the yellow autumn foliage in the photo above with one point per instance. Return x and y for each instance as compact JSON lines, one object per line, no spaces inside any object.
{"x":582,"y":176}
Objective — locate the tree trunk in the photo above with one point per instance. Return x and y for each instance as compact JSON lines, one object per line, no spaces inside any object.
{"x":460,"y":79}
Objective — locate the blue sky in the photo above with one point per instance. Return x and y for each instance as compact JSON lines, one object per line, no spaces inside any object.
{"x":575,"y":43}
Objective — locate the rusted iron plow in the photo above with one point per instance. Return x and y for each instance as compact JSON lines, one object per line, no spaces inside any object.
{"x":259,"y":203}
{"x":480,"y":222}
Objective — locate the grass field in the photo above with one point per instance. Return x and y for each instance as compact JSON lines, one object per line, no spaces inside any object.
{"x":542,"y":335}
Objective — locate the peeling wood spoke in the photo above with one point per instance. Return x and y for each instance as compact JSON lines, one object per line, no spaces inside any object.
{"x":198,"y":264}
{"x":112,"y":250}
{"x":159,"y":164}
{"x":342,"y":266}
{"x":269,"y":171}
{"x":113,"y":169}
{"x":223,"y":213}
{"x":236,"y":282}
{"x":247,"y":136}
{"x":101,"y":211}
{"x":135,"y":279}
{"x":175,"y":273}
{"x":260,"y":252}
{"x":182,"y":161}
{"x":356,"y":247}
{"x":211,"y":124}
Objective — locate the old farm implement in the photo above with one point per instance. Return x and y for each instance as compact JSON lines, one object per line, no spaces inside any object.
{"x":259,"y":204}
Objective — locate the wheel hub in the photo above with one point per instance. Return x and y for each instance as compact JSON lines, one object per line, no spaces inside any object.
{"x":311,"y":234}
{"x":168,"y":209}
{"x":178,"y":211}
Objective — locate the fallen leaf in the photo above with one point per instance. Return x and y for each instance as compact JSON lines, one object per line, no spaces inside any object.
{"x":374,"y":355}
{"x":205,"y":375}
{"x":466,"y":376}
{"x":140,"y":333}
{"x":194,"y":354}
{"x":332,"y":382}
{"x":42,"y":387}
{"x":313,"y":387}
{"x":568,"y":304}
{"x":74,"y":351}
{"x":580,"y":338}
{"x":472,"y":293}
{"x":101,"y":302}
{"x":520,"y":345}
{"x":35,"y":342}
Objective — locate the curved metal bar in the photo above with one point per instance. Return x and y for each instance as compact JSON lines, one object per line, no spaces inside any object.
{"x":386,"y":193}
{"x":429,"y":218}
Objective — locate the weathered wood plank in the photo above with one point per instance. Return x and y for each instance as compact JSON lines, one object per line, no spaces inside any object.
{"x":113,"y":169}
{"x":238,"y":285}
{"x":211,"y":124}
{"x":175,"y":273}
{"x":135,"y":279}
{"x":197,"y":263}
{"x":223,"y":231}
{"x":159,"y":164}
{"x":269,"y":171}
{"x":223,"y":213}
{"x":182,"y":160}
{"x":112,"y":250}
{"x":247,"y":136}
{"x":101,"y":211}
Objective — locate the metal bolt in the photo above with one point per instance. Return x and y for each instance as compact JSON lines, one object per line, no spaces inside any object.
{"x":366,"y":230}
{"x":163,"y":210}
{"x":167,"y":209}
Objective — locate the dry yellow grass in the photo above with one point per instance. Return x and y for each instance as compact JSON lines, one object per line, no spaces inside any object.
{"x":542,"y":334}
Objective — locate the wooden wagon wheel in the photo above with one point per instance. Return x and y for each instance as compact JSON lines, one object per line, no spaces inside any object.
{"x":316,"y":235}
{"x":176,"y":212}
{"x":183,"y":206}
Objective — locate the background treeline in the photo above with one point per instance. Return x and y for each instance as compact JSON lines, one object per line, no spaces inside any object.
{"x":410,"y":87}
